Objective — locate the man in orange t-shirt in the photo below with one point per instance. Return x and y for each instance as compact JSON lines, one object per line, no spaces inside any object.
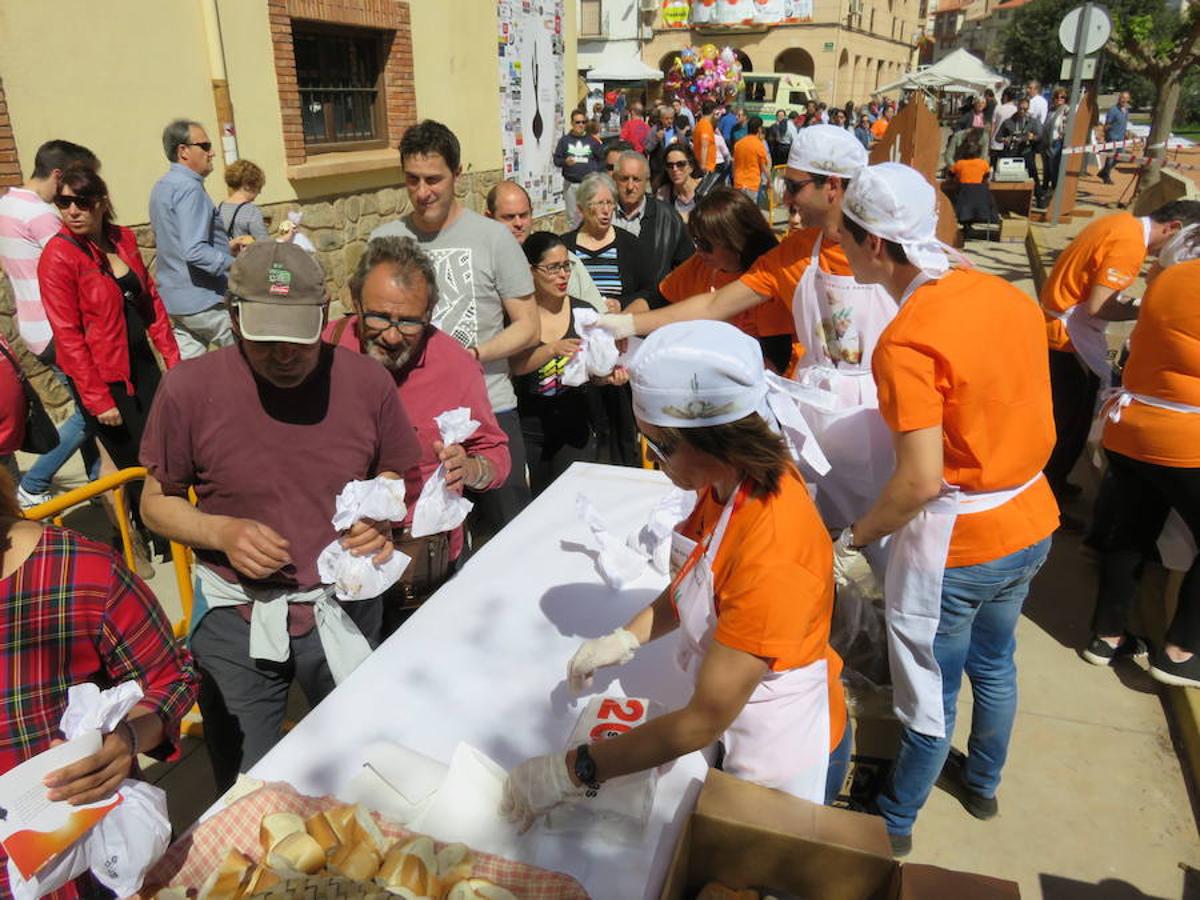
{"x":965,"y":390}
{"x":880,"y":126}
{"x":704,"y":139}
{"x":1086,"y":284}
{"x":751,"y":160}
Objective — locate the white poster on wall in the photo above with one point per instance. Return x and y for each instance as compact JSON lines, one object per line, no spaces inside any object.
{"x":532,"y":92}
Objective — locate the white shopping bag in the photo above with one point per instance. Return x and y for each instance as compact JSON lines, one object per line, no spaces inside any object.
{"x":357,"y":577}
{"x":597,"y":354}
{"x":438,"y":508}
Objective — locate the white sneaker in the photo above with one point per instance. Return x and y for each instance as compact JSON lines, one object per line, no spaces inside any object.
{"x":28,"y":500}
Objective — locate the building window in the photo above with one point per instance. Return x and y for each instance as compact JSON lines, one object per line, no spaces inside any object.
{"x":590,"y":22}
{"x":339,"y":72}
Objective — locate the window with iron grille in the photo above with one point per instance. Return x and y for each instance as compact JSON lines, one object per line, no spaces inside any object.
{"x":339,"y":73}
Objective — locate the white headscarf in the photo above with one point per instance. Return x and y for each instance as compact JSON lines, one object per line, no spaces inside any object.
{"x":1183,"y":246}
{"x":894,"y":202}
{"x":827,"y":150}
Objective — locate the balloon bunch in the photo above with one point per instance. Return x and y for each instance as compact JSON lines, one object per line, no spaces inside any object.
{"x":704,"y":72}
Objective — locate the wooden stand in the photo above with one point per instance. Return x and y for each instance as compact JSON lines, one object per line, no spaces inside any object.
{"x":1085,"y":126}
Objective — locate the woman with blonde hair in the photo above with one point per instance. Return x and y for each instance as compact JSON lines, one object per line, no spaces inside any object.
{"x":241,"y":217}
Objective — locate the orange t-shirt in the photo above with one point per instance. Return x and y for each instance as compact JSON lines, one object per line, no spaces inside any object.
{"x":773,"y":583}
{"x":777,"y":272}
{"x":1108,"y":252}
{"x":879,"y":127}
{"x":694,"y":277}
{"x":704,"y":128}
{"x":967,"y":353}
{"x":1164,"y":362}
{"x":970,"y":171}
{"x":749,"y":157}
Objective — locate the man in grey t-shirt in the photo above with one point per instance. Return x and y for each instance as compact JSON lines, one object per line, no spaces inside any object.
{"x":483,"y":279}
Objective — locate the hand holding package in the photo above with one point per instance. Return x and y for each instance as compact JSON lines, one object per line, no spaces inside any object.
{"x":358,"y":577}
{"x":438,"y":508}
{"x":134,"y":834}
{"x":597,"y":354}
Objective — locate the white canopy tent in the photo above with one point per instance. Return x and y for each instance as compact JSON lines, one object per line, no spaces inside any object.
{"x":627,"y":68}
{"x":960,"y":72}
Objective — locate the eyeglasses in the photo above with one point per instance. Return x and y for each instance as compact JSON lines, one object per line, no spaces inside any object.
{"x":660,"y":453}
{"x":206,"y":146}
{"x":785,"y":186}
{"x":601,"y":204}
{"x":83,"y":204}
{"x":610,"y":168}
{"x":678,"y":164}
{"x":563,"y":268}
{"x":378,"y":323}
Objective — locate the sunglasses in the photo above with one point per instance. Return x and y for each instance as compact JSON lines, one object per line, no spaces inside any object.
{"x":579,"y":121}
{"x":83,"y":204}
{"x":206,"y":146}
{"x":678,"y":164}
{"x":377,"y":323}
{"x":785,"y":186}
{"x":661,"y":454}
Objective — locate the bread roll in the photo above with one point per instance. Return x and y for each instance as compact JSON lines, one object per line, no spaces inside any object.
{"x":410,"y":869}
{"x":455,"y":862}
{"x":366,"y":830}
{"x":275,"y":827}
{"x":226,"y":882}
{"x":358,"y":861}
{"x":321,"y":831}
{"x":714,"y":890}
{"x":261,"y":879}
{"x":479,"y":889}
{"x":297,"y":854}
{"x":344,"y":822}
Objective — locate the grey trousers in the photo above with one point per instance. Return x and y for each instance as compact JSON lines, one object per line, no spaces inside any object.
{"x":244,"y":700}
{"x":196,"y":332}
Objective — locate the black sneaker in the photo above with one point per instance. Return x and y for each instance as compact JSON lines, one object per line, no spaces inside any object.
{"x":953,"y":781}
{"x":1100,"y":653}
{"x":901,"y":844}
{"x":1182,"y":674}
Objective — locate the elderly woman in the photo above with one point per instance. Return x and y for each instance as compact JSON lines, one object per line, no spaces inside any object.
{"x":730,"y":234}
{"x":71,"y":612}
{"x":243,"y":220}
{"x":685,"y":185}
{"x":623,"y":272}
{"x":751,"y":593}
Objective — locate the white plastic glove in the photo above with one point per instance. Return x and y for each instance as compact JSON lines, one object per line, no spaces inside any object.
{"x":619,"y":325}
{"x":613,"y":649}
{"x":535,"y":787}
{"x":851,"y":567}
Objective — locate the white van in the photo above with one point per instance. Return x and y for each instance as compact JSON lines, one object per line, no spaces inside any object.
{"x":765,"y":92}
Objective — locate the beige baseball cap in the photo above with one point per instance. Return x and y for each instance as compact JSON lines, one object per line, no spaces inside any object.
{"x":279,"y":292}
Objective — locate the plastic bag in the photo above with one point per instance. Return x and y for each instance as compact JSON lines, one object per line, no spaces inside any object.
{"x":653,"y":540}
{"x":597,"y":354}
{"x":121,"y":847}
{"x":357,"y":577}
{"x":859,"y":634}
{"x":438,"y":508}
{"x":618,"y":563}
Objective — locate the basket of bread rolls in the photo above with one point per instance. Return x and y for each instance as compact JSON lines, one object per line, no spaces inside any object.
{"x":276,"y":843}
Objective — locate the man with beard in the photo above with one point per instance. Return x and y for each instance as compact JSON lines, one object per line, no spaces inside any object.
{"x":394,"y":290}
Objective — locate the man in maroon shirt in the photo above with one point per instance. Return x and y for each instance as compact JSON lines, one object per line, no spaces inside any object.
{"x":267,"y":433}
{"x":394,"y":290}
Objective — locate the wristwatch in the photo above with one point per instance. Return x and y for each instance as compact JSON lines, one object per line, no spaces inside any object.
{"x":585,"y":769}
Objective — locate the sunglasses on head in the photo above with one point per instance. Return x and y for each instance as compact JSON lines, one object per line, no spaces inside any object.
{"x":64,"y":202}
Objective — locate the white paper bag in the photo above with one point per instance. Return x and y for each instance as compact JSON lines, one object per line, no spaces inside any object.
{"x":125,"y":843}
{"x":438,"y":508}
{"x":597,"y":354}
{"x":357,"y":577}
{"x":618,"y":563}
{"x":653,"y":540}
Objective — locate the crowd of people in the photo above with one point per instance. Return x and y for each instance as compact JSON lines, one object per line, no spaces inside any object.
{"x":829,"y":383}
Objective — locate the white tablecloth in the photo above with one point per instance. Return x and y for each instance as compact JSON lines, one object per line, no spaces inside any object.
{"x":484,"y":661}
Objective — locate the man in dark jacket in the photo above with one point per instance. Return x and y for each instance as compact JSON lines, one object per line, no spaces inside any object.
{"x":1019,"y":137}
{"x":653,"y":222}
{"x":578,"y":154}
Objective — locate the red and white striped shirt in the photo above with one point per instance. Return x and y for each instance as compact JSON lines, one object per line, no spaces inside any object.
{"x":27,"y":222}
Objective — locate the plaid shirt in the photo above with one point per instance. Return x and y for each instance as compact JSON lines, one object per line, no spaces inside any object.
{"x":72,"y":612}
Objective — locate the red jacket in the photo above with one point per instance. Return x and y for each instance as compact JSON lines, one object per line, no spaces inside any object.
{"x":87,"y":313}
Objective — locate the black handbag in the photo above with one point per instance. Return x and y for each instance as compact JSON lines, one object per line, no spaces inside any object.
{"x":41,"y":435}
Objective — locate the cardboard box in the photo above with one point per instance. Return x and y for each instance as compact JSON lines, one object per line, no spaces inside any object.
{"x":746,"y":836}
{"x":1013,"y":227}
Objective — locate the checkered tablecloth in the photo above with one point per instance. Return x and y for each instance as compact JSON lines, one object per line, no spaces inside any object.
{"x":188,"y":862}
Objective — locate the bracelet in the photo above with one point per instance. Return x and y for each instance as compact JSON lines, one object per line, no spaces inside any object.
{"x":475,"y":353}
{"x":484,"y":478}
{"x":134,"y":744}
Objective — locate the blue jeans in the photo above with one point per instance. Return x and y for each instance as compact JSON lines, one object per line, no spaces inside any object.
{"x":839,"y":763}
{"x":73,"y":435}
{"x":976,"y":634}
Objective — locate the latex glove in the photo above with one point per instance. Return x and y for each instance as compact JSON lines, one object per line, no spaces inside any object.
{"x":535,"y":787}
{"x":619,"y":325}
{"x":613,"y":649}
{"x":851,"y":567}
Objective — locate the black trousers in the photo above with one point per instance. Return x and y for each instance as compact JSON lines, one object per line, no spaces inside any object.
{"x":1142,"y":495}
{"x":1073,"y":388}
{"x":496,"y":508}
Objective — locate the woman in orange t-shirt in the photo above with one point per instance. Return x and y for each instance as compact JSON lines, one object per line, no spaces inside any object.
{"x":751,"y":593}
{"x":730,"y":235}
{"x":1152,"y":441}
{"x":973,"y":201}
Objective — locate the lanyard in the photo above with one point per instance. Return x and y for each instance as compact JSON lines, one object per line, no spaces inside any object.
{"x":702,"y":545}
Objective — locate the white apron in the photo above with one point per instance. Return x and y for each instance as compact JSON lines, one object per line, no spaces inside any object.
{"x":1087,"y":336}
{"x":780,"y":739}
{"x":839,"y":322}
{"x":913,"y":601}
{"x":1176,"y":545}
